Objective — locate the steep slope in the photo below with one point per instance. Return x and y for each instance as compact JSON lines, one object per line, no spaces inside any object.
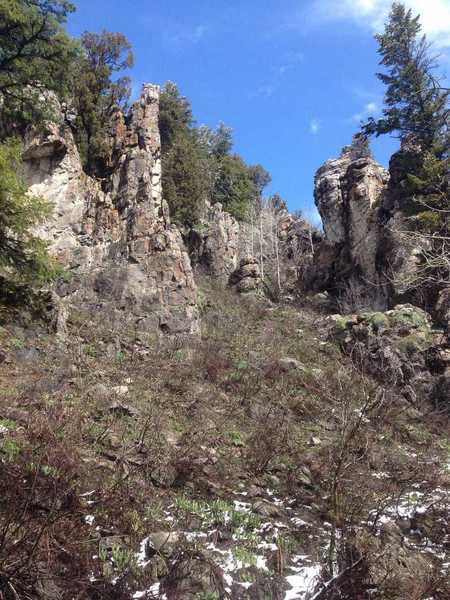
{"x":257,"y":464}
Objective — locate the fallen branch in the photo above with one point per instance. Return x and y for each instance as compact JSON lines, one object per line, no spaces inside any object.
{"x":336,"y":579}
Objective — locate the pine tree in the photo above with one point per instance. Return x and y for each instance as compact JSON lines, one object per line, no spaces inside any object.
{"x":97,"y":93}
{"x":23,"y":255}
{"x":415,"y":102}
{"x":35,"y":54}
{"x":234,"y":187}
{"x":417,"y":109}
{"x":184,"y":183}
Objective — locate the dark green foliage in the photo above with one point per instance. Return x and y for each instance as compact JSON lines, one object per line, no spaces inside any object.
{"x":429,"y":189}
{"x":417,"y":109}
{"x":175,"y":115}
{"x":198,"y":166}
{"x":97,"y":93}
{"x":23,"y":255}
{"x":415,"y":102}
{"x":260,"y":179}
{"x":184,"y":186}
{"x":234,"y":187}
{"x":184,"y":183}
{"x":35,"y":53}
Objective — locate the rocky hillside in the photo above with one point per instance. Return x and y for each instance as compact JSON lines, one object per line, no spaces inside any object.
{"x":239,"y":410}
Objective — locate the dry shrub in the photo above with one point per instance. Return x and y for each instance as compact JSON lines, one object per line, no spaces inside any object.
{"x":42,"y":534}
{"x":210,"y":359}
{"x":268,"y":441}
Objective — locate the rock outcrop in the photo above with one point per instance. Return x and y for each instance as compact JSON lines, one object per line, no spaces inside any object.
{"x":124,"y":260}
{"x":214,"y":243}
{"x":399,"y":348}
{"x":277,"y":244}
{"x":349,"y":192}
{"x":248,"y":277}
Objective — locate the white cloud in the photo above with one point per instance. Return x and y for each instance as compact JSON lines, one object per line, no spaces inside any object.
{"x":265,"y":90}
{"x":188,"y":36}
{"x":370,"y":109}
{"x":314,"y":126}
{"x":434,"y":14}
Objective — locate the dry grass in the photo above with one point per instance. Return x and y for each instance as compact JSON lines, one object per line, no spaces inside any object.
{"x":208,"y":420}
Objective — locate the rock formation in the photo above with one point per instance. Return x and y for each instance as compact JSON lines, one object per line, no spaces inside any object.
{"x":370,"y":257}
{"x":221,"y":247}
{"x":124,"y":260}
{"x":348,"y":194}
{"x":248,"y":277}
{"x":214,"y":244}
{"x":398,"y":347}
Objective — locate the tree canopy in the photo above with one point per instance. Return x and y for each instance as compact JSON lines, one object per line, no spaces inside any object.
{"x":35,"y":53}
{"x":416,"y":108}
{"x":96,"y":93}
{"x":199,"y":166}
{"x":414,"y":102}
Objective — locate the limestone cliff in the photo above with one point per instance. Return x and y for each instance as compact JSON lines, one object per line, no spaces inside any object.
{"x":124,"y":259}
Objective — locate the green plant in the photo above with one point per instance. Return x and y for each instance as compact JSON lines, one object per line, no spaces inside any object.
{"x":18,"y":343}
{"x":35,"y":57}
{"x":243,"y":555}
{"x":237,"y":438}
{"x":10,"y":449}
{"x":154,"y":511}
{"x":97,"y":92}
{"x":23,"y":254}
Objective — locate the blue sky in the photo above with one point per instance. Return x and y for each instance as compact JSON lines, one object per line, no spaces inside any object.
{"x":292,"y":78}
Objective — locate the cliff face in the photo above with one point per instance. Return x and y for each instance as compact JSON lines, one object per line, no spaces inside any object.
{"x":125,"y":261}
{"x":214,"y":244}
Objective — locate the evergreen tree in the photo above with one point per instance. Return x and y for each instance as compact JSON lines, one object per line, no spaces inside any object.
{"x":35,"y":53}
{"x":175,"y":115}
{"x":415,"y":102}
{"x":198,"y":166}
{"x":183,"y":180}
{"x":234,"y":187}
{"x":23,"y":255}
{"x":97,"y":93}
{"x":417,"y":109}
{"x":261,"y":179}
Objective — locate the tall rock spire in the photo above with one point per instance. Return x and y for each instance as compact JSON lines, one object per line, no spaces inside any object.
{"x":124,"y":259}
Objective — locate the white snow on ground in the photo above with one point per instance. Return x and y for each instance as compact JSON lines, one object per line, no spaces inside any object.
{"x":89,"y":519}
{"x":414,"y":502}
{"x":302,"y":582}
{"x":152,"y":592}
{"x":141,"y":556}
{"x":304,"y":572}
